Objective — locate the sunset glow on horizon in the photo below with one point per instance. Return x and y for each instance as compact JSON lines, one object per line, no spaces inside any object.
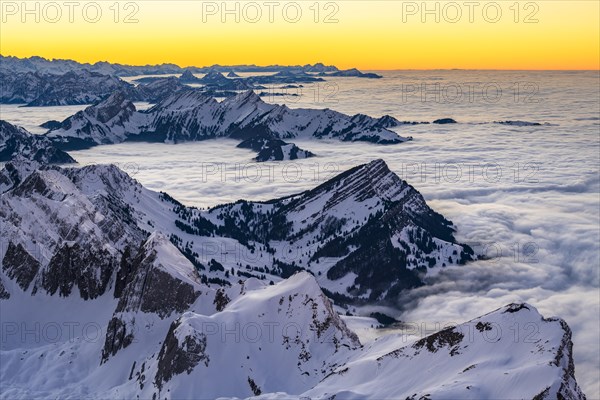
{"x":374,"y":35}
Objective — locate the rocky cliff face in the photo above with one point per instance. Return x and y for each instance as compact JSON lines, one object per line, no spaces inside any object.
{"x":158,"y":280}
{"x":103,"y":123}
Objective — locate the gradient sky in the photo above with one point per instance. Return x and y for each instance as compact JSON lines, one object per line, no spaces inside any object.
{"x":367,"y":34}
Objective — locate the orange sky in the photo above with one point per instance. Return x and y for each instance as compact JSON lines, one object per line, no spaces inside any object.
{"x":363,"y":34}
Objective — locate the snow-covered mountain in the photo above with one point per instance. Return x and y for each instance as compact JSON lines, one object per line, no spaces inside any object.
{"x":16,"y":142}
{"x":61,"y":66}
{"x":366,"y":213}
{"x":188,"y":303}
{"x":190,"y":115}
{"x":107,"y":122}
{"x":479,"y":359}
{"x":159,"y":89}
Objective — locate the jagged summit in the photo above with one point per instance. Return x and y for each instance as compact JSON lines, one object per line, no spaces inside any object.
{"x":366,"y":181}
{"x":166,"y":257}
{"x":212,"y":76}
{"x":106,"y":122}
{"x":111,"y":107}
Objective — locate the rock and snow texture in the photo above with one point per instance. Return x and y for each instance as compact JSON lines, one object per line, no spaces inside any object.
{"x":172,"y":325}
{"x":366,"y":234}
{"x":511,"y":353}
{"x":289,"y":336}
{"x":16,"y":142}
{"x":104,"y":123}
{"x":190,"y":115}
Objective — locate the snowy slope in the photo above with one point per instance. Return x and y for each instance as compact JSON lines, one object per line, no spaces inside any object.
{"x":289,"y":336}
{"x":511,"y":353}
{"x":286,"y":342}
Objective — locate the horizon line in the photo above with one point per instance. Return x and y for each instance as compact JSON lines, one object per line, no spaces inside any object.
{"x":308,"y":63}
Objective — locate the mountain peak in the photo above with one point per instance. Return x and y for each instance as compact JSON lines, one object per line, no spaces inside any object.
{"x":9,"y":130}
{"x":188,"y":77}
{"x":185,"y":99}
{"x":366,"y":180}
{"x":249,"y":96}
{"x":168,"y":258}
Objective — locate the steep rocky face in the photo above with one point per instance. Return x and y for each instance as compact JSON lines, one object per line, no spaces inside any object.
{"x":158,"y":280}
{"x":152,"y":287}
{"x":176,"y":358}
{"x":88,"y":269}
{"x":58,"y":241}
{"x":4,"y":294}
{"x":16,"y":142}
{"x":19,"y":265}
{"x":13,"y":173}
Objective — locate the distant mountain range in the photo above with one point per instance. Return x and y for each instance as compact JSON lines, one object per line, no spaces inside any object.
{"x":61,"y":66}
{"x":234,"y":301}
{"x":76,"y":87}
{"x":40,"y":82}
